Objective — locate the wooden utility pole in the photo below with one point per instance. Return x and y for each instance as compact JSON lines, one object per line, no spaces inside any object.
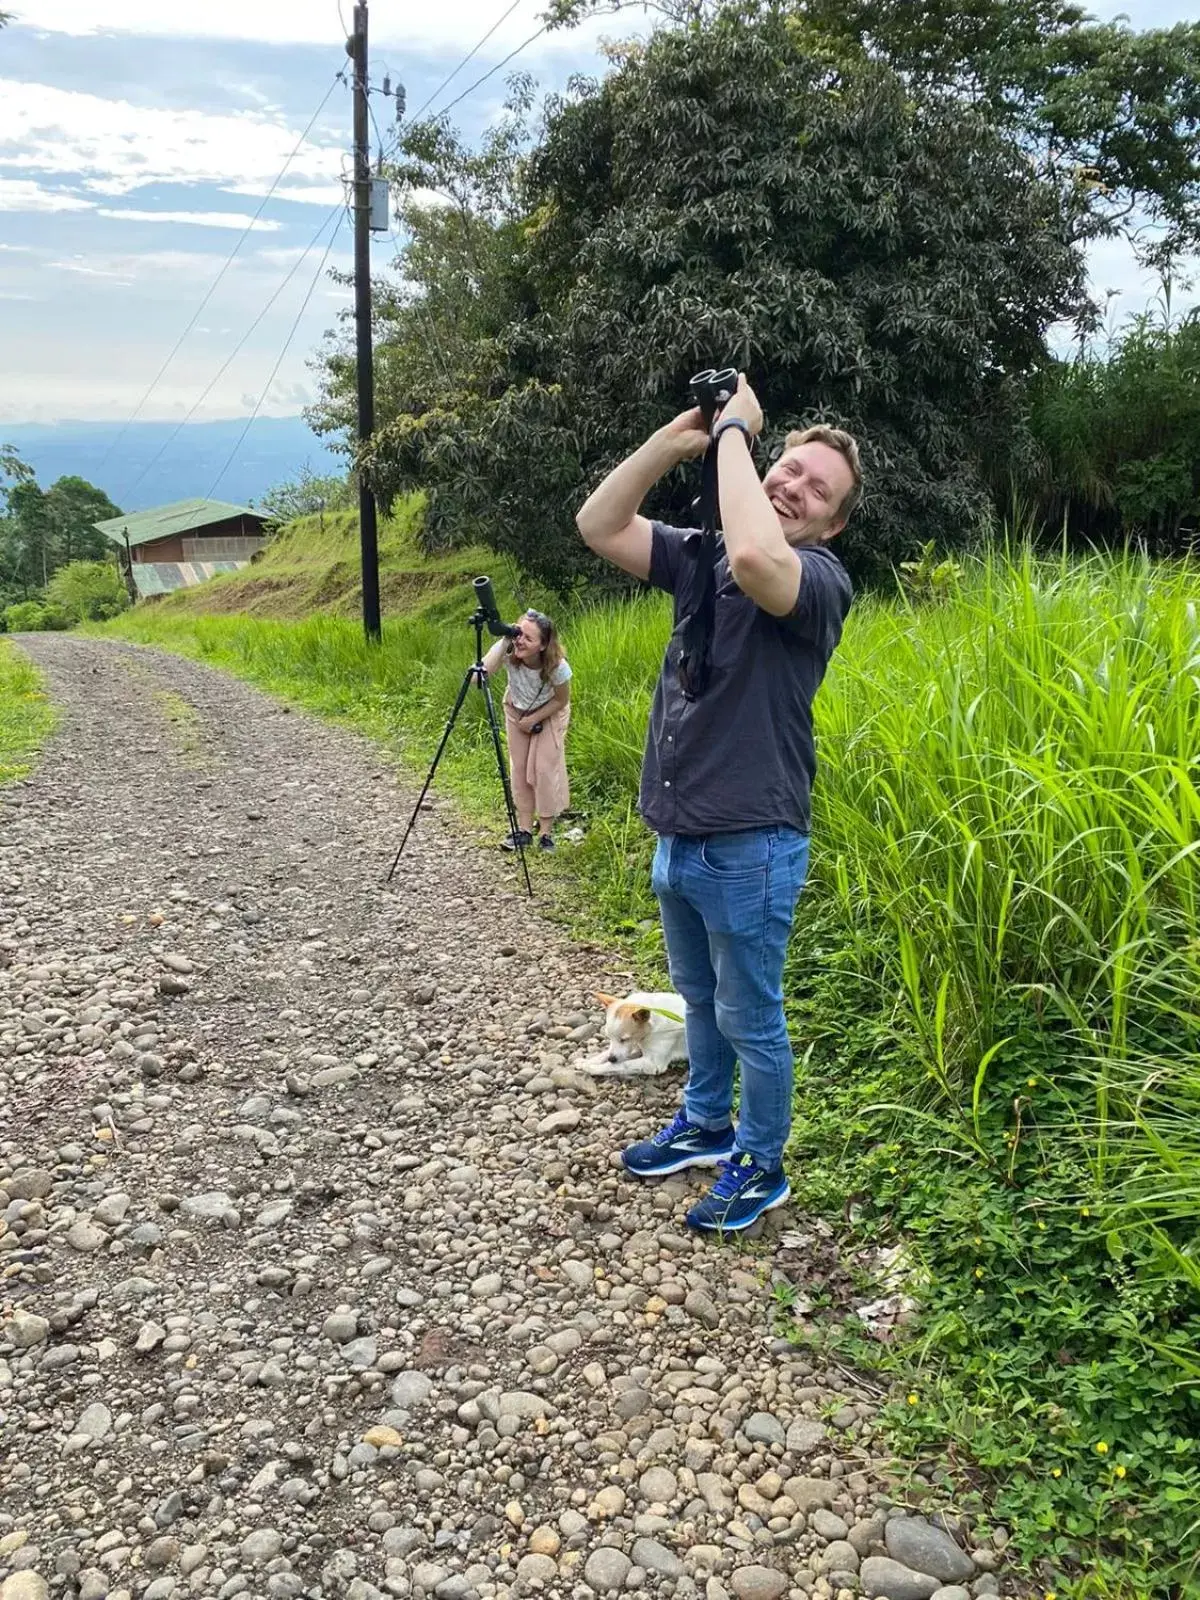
{"x":356,"y":47}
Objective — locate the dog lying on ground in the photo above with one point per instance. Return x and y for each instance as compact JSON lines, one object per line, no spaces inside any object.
{"x":644,"y":1035}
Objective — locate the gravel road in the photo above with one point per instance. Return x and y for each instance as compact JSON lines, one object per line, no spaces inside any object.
{"x":317,"y":1277}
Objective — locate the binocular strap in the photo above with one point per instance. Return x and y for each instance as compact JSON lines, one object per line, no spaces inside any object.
{"x":695,"y":631}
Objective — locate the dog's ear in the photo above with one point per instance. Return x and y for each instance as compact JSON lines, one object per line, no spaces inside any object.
{"x":642,"y":1015}
{"x":604,"y":1000}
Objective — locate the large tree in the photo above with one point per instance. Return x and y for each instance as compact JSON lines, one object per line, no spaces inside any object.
{"x":872,"y":254}
{"x":1115,"y":108}
{"x":439,"y":321}
{"x":43,"y":529}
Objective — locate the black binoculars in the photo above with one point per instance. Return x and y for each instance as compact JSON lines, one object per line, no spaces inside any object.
{"x":712,"y":389}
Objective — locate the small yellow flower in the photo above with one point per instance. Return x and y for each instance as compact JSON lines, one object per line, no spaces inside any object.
{"x":1041,"y":1227}
{"x":1050,"y":1595}
{"x":1102,"y":1448}
{"x":1118,"y":1472}
{"x":979,"y":1272}
{"x":1031,"y":1083}
{"x":978,"y":1238}
{"x":913,"y":1398}
{"x":1085,"y":1211}
{"x":1056,"y":1472}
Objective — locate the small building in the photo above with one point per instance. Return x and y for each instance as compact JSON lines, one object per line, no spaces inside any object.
{"x":182,"y":544}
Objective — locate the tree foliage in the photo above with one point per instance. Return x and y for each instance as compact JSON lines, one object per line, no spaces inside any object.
{"x":43,"y":529}
{"x":872,"y":254}
{"x":1119,"y":437}
{"x":88,"y":591}
{"x":438,"y":325}
{"x":308,"y":494}
{"x":1116,"y":110}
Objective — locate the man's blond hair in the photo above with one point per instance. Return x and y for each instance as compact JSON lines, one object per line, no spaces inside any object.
{"x":846,"y":446}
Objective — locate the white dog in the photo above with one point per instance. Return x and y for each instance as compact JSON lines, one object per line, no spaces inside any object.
{"x":644,"y":1034}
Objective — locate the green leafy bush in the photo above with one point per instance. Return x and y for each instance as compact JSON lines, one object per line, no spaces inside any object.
{"x":88,"y":591}
{"x":32,"y":616}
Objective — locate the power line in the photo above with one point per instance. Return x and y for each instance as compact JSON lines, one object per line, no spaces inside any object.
{"x":416,"y":116}
{"x":384,"y":154}
{"x":492,"y":70}
{"x":228,"y":362}
{"x":339,"y":77}
{"x":279,"y":360}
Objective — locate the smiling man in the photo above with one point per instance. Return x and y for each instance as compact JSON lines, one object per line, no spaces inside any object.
{"x":727,"y":776}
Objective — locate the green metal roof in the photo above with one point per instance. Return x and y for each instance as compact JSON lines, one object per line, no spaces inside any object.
{"x":161,"y":577}
{"x":161,"y":522}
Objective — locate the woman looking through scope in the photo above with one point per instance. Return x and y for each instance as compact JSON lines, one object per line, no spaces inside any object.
{"x":537,"y":711}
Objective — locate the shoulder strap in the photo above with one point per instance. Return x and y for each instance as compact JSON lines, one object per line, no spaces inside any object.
{"x":694,"y":663}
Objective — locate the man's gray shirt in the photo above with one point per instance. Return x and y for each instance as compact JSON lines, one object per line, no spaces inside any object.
{"x":741,"y":756}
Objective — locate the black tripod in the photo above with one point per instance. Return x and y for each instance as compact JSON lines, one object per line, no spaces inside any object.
{"x":475,"y":674}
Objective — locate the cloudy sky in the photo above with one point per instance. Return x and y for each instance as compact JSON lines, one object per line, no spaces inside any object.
{"x":139,"y":139}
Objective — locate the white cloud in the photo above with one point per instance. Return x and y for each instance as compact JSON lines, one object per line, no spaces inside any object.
{"x":85,"y":268}
{"x":197,"y":219}
{"x":23,"y":194}
{"x":165,"y":271}
{"x":114,"y":148}
{"x":309,"y":194}
{"x":452,"y":26}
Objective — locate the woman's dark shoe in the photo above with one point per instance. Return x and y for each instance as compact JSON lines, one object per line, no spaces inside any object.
{"x":521,"y":840}
{"x":546,"y":841}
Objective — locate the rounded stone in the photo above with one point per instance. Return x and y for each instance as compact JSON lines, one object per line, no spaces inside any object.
{"x":762,"y":1428}
{"x":261,"y":1546}
{"x":758,"y":1583}
{"x":25,"y":1586}
{"x":606,"y":1569}
{"x":655,"y":1557}
{"x":918,"y":1544}
{"x":658,"y":1486}
{"x":536,"y":1568}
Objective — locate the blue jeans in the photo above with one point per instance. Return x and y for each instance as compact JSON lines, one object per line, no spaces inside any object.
{"x":727,"y":903}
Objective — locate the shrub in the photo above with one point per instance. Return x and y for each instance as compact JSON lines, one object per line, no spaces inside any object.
{"x":88,"y":591}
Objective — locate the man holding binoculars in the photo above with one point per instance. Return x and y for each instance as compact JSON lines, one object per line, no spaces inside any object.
{"x":729,"y":766}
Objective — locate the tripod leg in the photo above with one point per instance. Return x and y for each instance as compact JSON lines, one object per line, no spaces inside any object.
{"x":509,"y":804}
{"x":462,"y":695}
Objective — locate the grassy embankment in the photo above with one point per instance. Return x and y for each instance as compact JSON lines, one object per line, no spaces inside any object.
{"x":312,"y":566}
{"x":26,"y":716}
{"x":993,"y":984}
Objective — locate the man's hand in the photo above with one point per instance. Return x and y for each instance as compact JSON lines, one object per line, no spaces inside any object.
{"x":687,"y":435}
{"x":744,"y":406}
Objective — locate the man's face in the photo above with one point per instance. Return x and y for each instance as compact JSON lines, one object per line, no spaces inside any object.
{"x":806,"y":487}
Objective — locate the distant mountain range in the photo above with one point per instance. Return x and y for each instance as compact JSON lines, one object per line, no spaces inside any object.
{"x":274,"y":449}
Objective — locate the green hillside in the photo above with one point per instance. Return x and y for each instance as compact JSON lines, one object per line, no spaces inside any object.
{"x":313,"y":564}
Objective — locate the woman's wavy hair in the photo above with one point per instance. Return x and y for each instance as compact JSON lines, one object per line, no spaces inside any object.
{"x":552,"y":651}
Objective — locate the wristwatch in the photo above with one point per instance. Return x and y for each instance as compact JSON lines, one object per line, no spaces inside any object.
{"x":734,"y":422}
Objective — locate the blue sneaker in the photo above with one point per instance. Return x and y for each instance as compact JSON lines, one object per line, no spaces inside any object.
{"x":742,"y":1193}
{"x":676,"y":1147}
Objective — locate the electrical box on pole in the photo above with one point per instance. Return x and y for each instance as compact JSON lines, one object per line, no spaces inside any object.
{"x":381,"y":194}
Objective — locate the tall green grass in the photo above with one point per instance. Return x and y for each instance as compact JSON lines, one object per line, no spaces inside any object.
{"x":994,"y":982}
{"x":26,"y":716}
{"x":1010,"y":807}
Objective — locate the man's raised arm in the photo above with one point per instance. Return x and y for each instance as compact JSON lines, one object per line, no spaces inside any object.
{"x":609,"y":519}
